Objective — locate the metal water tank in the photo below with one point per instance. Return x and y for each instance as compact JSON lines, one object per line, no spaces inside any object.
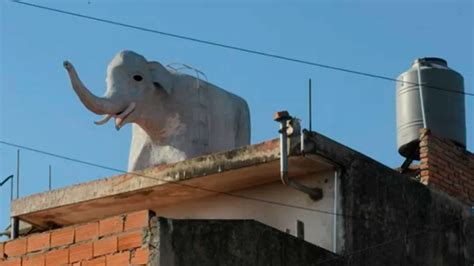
{"x":444,"y":111}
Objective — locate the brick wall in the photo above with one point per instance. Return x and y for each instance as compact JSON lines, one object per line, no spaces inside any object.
{"x":447,"y":167}
{"x":120,"y":240}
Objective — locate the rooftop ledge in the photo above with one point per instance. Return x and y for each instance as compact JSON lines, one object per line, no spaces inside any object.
{"x":163,"y":185}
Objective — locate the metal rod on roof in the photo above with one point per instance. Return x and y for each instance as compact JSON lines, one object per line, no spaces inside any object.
{"x":49,"y":177}
{"x":11,"y":188}
{"x":310,"y":106}
{"x":17,"y":174}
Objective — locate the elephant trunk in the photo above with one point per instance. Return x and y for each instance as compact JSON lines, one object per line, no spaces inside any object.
{"x":98,"y":105}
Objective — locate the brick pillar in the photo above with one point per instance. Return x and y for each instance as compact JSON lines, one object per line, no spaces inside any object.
{"x":127,"y":239}
{"x":447,"y":167}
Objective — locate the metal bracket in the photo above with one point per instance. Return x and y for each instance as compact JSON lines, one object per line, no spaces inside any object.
{"x":409,"y":160}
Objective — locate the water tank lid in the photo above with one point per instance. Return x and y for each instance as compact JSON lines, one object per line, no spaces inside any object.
{"x":426,"y":61}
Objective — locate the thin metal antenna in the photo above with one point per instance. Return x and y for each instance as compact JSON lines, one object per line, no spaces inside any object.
{"x":17,"y":174}
{"x":49,"y":177}
{"x":310,"y":106}
{"x":11,"y":189}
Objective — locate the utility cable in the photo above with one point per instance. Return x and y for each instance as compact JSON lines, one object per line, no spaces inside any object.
{"x":261,"y":53}
{"x":429,"y":229}
{"x":354,"y":217}
{"x":162,"y":180}
{"x":235,"y":48}
{"x":247,"y":198}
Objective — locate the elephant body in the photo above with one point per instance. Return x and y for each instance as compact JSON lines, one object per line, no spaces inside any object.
{"x":175,"y":116}
{"x":201,"y":121}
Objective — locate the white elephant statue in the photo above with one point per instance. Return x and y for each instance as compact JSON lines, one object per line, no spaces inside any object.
{"x":173,"y":118}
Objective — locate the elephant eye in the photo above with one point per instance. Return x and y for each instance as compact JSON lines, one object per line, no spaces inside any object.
{"x":137,"y":78}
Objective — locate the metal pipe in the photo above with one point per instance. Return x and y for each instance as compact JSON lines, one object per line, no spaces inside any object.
{"x":314,"y":193}
{"x":11,"y":188}
{"x":283,"y":153}
{"x":302,"y":144}
{"x":17,"y":174}
{"x":15,"y":228}
{"x":49,"y":177}
{"x":310,"y":105}
{"x":422,"y":102}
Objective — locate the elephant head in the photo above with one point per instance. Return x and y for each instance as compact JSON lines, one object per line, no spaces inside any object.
{"x":132,"y":81}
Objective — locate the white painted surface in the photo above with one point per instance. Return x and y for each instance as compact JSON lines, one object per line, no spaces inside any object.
{"x":319,"y":227}
{"x":175,"y":116}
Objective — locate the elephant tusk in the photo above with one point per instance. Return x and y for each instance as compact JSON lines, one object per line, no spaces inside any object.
{"x":103,"y":120}
{"x":121,"y":117}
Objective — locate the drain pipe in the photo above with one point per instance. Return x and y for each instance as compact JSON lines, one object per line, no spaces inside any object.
{"x":420,"y":90}
{"x":283,"y":117}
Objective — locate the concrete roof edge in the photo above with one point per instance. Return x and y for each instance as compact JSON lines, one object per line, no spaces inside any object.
{"x":181,"y":171}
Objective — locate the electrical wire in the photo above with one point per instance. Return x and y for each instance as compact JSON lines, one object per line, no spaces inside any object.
{"x":67,"y":158}
{"x":261,"y":53}
{"x":235,"y":48}
{"x":429,"y":228}
{"x":162,"y":180}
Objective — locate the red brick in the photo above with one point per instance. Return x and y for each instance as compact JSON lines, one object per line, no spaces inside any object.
{"x":457,"y":186}
{"x":2,"y":248}
{"x":111,"y":225}
{"x":424,"y":180}
{"x":62,"y":237}
{"x":140,"y":256}
{"x":424,"y":143}
{"x":15,"y":247}
{"x":38,"y":242}
{"x":11,"y":262}
{"x":80,"y":252}
{"x":95,"y":262}
{"x":137,"y":220}
{"x":38,"y":260}
{"x":130,"y":240}
{"x":87,"y":232}
{"x":105,"y":246}
{"x":425,"y":173}
{"x":118,"y":259}
{"x":57,"y":257}
{"x":447,"y":182}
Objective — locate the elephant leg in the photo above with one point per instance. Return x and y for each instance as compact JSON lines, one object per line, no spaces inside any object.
{"x":140,"y":149}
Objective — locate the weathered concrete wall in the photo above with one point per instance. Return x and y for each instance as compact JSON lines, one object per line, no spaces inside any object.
{"x":469,"y":236}
{"x":236,"y":242}
{"x":318,"y":226}
{"x":390,"y":219}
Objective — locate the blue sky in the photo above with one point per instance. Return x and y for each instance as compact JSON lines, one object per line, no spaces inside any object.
{"x":39,"y":109}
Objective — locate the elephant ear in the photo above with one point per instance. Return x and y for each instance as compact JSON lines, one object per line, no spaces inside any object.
{"x":161,"y":76}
